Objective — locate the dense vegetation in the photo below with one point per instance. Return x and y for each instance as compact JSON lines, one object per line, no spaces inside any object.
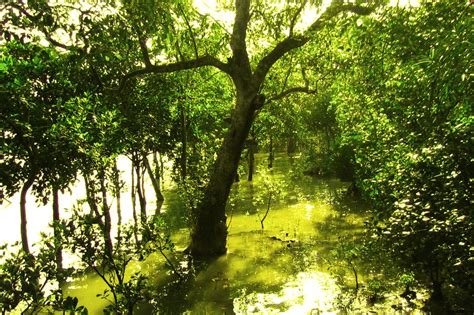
{"x":374,"y":94}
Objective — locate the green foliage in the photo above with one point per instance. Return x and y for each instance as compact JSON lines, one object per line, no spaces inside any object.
{"x":375,"y":290}
{"x":138,"y":110}
{"x":407,"y":279}
{"x":405,"y":111}
{"x":34,"y":84}
{"x":31,"y":282}
{"x":199,"y":109}
{"x":70,"y":304}
{"x":393,"y":112}
{"x":83,"y":237}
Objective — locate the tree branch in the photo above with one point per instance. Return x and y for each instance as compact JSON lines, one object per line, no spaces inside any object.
{"x":295,"y":17}
{"x":179,"y":53}
{"x":42,"y":28}
{"x":278,"y":51}
{"x":177,"y":66}
{"x":297,"y":89}
{"x":296,"y":41}
{"x":239,"y":33}
{"x":144,"y":49}
{"x":190,"y":29}
{"x":58,"y":44}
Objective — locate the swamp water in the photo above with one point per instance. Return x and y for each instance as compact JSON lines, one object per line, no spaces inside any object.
{"x":289,"y":267}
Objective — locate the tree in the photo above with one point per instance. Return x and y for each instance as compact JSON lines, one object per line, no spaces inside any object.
{"x":209,"y":234}
{"x":247,"y":72}
{"x":33,"y":87}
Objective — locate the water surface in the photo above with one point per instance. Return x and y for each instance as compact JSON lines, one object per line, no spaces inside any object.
{"x":289,"y":267}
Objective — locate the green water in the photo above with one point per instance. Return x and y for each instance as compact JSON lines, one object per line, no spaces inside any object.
{"x":286,"y":268}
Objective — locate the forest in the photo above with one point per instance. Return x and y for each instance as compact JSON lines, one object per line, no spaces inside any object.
{"x":236,"y":157}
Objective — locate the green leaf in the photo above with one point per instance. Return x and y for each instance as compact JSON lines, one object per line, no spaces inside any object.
{"x":3,"y":67}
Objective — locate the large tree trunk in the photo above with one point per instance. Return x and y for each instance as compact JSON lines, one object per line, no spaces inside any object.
{"x":209,"y":236}
{"x":23,"y":223}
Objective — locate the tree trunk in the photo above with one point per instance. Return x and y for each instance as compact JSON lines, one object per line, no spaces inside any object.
{"x":134,"y":204}
{"x":155,"y":180}
{"x":1,"y":188}
{"x":271,"y":155}
{"x":209,"y":235}
{"x":91,"y":198}
{"x":251,"y":161}
{"x":117,"y":188}
{"x":56,"y":218}
{"x":291,"y":145}
{"x":269,"y":203}
{"x":184,"y":143}
{"x":158,"y":169}
{"x":140,"y":192}
{"x":162,"y":170}
{"x":107,"y":219}
{"x":143,"y":189}
{"x":23,"y":224}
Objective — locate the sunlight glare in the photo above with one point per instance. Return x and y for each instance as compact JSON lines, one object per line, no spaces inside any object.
{"x":314,"y":289}
{"x":309,"y":211}
{"x":404,"y":3}
{"x":212,"y":8}
{"x":311,"y":291}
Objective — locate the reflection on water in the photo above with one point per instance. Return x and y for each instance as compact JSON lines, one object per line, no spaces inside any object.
{"x":283,"y":269}
{"x":310,"y":291}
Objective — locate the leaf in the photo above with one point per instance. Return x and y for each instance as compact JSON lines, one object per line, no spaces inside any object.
{"x":3,"y":67}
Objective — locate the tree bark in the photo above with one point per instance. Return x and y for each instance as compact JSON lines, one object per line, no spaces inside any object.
{"x":56,"y":218}
{"x":23,"y":224}
{"x":209,"y":235}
